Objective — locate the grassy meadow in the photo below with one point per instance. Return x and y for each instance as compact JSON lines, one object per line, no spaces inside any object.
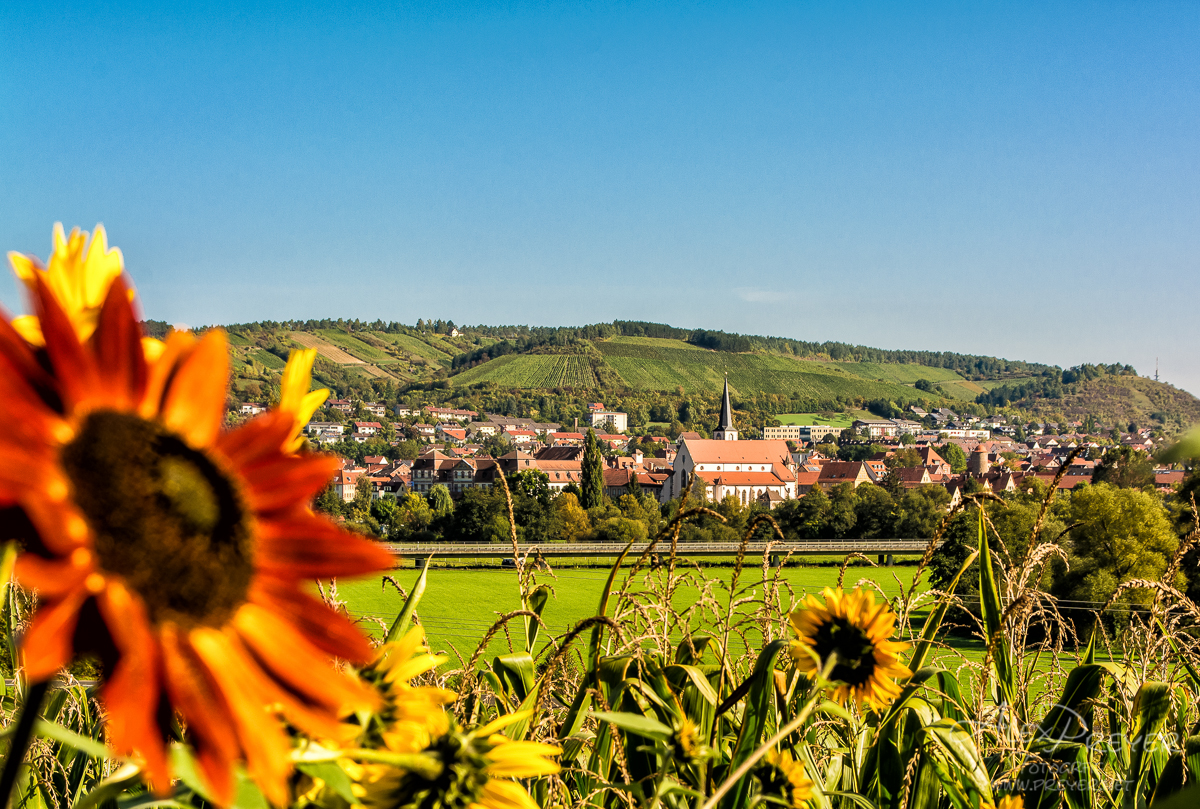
{"x":460,"y":604}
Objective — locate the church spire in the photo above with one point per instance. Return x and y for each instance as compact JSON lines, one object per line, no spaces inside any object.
{"x":725,"y":430}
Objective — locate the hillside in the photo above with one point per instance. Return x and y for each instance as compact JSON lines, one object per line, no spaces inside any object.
{"x":480,"y":366}
{"x":1119,"y":399}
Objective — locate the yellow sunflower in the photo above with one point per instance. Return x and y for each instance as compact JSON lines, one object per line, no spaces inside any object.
{"x":176,"y":551}
{"x":468,"y":770}
{"x":858,"y":631}
{"x":1007,"y":802}
{"x":78,"y":273}
{"x":781,"y":780}
{"x":416,"y":712}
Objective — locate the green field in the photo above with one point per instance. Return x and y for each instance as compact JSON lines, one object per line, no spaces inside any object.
{"x":460,"y":605}
{"x":533,"y":371}
{"x":897,"y":372}
{"x":268,"y":359}
{"x":654,"y":367}
{"x":411,"y":345}
{"x":965,"y":389}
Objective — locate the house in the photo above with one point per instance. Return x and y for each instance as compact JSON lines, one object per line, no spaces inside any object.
{"x":456,"y":474}
{"x":521,"y":436}
{"x":805,"y":479}
{"x":252,"y":408}
{"x":936,"y":464}
{"x":367,"y":427}
{"x":453,"y":435}
{"x":614,"y":441}
{"x":617,"y":481}
{"x":835,"y":473}
{"x":319,"y":429}
{"x":444,"y":414}
{"x":1168,"y":479}
{"x":376,"y":409}
{"x":345,"y":483}
{"x":342,"y":405}
{"x":913,"y":477}
{"x":567,"y":439}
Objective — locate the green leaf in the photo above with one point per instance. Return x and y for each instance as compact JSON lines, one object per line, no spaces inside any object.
{"x":968,"y":769}
{"x":186,"y":769}
{"x":536,"y":603}
{"x":517,"y":672}
{"x":1063,"y":720}
{"x":636,"y":723}
{"x":1187,"y":799}
{"x":53,"y":730}
{"x":249,"y":796}
{"x":108,"y":789}
{"x":400,"y":625}
{"x":760,"y":710}
{"x":993,"y":622}
{"x":594,"y":646}
{"x":1150,"y":709}
{"x":333,"y":775}
{"x":1187,"y":447}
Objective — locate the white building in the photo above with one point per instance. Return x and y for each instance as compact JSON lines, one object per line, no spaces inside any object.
{"x":751,"y":471}
{"x":612,"y":420}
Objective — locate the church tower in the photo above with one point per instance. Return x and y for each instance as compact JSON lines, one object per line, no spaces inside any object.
{"x":725,"y":430}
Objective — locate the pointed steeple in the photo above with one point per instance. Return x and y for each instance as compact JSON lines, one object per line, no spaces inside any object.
{"x":725,"y":430}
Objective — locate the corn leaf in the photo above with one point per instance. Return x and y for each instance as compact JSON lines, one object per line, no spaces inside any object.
{"x":400,"y":625}
{"x":993,"y":622}
{"x":1150,"y":709}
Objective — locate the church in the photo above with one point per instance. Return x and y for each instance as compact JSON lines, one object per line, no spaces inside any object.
{"x":752,"y":471}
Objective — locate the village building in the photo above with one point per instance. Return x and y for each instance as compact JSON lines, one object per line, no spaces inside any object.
{"x":726,"y":466}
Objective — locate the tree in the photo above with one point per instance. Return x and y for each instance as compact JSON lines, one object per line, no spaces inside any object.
{"x":842,"y":499}
{"x":635,"y":486}
{"x":440,"y":502}
{"x":592,"y":477}
{"x":1124,"y":467}
{"x":874,"y":512}
{"x":620,"y":530}
{"x":568,"y":520}
{"x":328,"y":502}
{"x":1123,"y":534}
{"x":954,"y":455}
{"x":906,"y":458}
{"x":919,"y":511}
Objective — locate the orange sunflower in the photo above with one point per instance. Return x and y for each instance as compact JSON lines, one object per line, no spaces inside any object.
{"x":176,"y":551}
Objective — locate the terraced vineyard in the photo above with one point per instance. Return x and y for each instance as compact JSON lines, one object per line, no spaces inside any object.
{"x":895,"y":372}
{"x":533,"y":371}
{"x":355,"y":346}
{"x":656,"y":367}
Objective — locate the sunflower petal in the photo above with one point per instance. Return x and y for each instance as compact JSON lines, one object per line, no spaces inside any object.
{"x":194,"y":403}
{"x":131,"y":692}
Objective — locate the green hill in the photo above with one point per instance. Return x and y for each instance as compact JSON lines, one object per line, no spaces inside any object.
{"x":657,"y":366}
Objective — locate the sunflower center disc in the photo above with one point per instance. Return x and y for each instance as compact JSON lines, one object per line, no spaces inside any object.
{"x":164,"y":517}
{"x":855,"y":651}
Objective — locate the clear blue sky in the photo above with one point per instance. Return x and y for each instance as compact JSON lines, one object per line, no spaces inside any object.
{"x":1017,"y":180}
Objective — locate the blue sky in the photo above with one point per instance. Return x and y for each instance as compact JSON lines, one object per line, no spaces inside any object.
{"x":1017,"y":180}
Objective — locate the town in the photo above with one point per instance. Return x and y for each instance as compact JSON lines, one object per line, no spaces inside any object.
{"x":938,"y":454}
